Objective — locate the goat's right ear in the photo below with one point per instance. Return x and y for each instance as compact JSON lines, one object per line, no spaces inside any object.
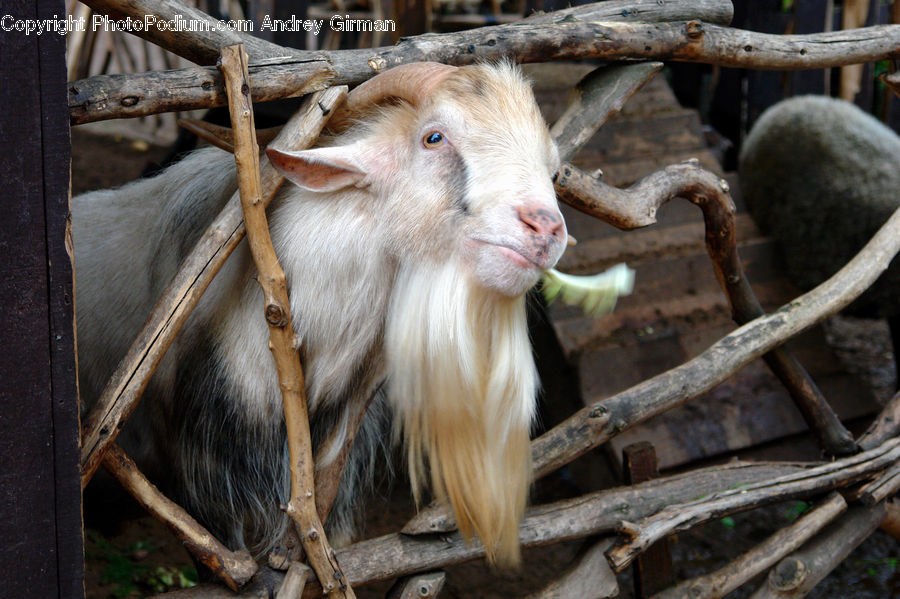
{"x":321,"y":169}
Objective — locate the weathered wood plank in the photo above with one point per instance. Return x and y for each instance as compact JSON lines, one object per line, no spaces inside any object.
{"x":41,"y":519}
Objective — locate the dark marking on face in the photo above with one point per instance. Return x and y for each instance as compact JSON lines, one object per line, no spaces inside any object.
{"x":457,"y":180}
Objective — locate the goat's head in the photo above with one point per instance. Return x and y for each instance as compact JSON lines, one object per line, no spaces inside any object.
{"x":463,"y":168}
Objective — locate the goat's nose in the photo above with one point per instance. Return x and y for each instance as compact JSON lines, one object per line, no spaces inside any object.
{"x":542,"y":221}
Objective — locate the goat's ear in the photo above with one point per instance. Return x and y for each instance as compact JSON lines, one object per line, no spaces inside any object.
{"x":321,"y":169}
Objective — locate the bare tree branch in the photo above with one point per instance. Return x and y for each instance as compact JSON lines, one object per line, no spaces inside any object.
{"x":232,"y":568}
{"x":687,"y":515}
{"x":283,"y":340}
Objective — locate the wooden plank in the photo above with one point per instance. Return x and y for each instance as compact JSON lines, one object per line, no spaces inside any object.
{"x":41,"y":520}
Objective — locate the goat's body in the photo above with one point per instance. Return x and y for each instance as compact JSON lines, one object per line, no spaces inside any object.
{"x":216,"y":439}
{"x":407,"y":246}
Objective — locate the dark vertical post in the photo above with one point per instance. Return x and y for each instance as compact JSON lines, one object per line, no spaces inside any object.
{"x":40,"y":517}
{"x":653,"y":568}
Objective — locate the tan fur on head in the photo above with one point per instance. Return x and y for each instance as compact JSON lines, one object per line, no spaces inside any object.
{"x":463,"y":384}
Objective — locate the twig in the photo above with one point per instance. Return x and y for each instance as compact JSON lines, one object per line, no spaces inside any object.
{"x":420,"y":586}
{"x":798,"y":573}
{"x":223,"y":137}
{"x":588,"y":578}
{"x":283,"y":340}
{"x":683,"y":516}
{"x":760,"y":558}
{"x":124,"y":389}
{"x":232,"y":568}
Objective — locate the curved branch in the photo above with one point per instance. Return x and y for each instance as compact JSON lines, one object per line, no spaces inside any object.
{"x":683,"y":516}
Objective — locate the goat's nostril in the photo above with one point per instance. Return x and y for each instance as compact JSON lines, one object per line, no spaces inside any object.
{"x":541,"y":221}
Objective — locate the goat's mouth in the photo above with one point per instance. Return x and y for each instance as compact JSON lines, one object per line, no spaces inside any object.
{"x":517,"y":256}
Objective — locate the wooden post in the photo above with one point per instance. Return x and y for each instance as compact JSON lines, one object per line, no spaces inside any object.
{"x":40,"y":521}
{"x":653,"y":568}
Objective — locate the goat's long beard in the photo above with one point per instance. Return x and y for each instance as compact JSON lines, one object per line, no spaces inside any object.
{"x":463,"y":384}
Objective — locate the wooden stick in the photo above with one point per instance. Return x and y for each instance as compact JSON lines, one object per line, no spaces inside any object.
{"x":760,"y":558}
{"x":526,"y":41}
{"x":595,"y":99}
{"x":294,"y":581}
{"x":283,"y":341}
{"x":882,"y":487}
{"x":128,"y":382}
{"x":886,"y":425}
{"x":232,"y":568}
{"x":105,"y":97}
{"x":798,"y":573}
{"x":590,"y":577}
{"x":200,"y":46}
{"x":683,"y":516}
{"x":223,"y":137}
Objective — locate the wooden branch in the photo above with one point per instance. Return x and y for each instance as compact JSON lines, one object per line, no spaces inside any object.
{"x":200,"y":46}
{"x":223,"y":137}
{"x":687,"y":515}
{"x":294,"y":581}
{"x":106,"y":97}
{"x":420,"y":586}
{"x":886,"y":426}
{"x":283,"y":341}
{"x":798,"y":573}
{"x":124,"y":389}
{"x":881,"y":488}
{"x":596,"y":98}
{"x":760,"y":558}
{"x":577,"y":35}
{"x":590,"y":577}
{"x":232,"y":568}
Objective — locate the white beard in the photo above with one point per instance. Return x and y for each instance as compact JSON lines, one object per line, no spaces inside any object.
{"x":463,"y":384}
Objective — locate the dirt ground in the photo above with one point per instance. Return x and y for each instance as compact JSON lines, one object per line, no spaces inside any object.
{"x":130,"y":555}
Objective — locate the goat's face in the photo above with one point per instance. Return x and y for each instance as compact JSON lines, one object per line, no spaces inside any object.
{"x":465,"y":174}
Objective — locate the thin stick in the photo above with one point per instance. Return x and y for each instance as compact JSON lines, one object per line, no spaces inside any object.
{"x":124,"y":389}
{"x":760,"y":558}
{"x":283,"y":340}
{"x":232,"y":568}
{"x":590,"y":577}
{"x":294,"y":581}
{"x":886,"y":425}
{"x":683,"y":516}
{"x":595,"y":99}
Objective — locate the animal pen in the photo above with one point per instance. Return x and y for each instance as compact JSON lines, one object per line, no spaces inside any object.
{"x":850,"y":489}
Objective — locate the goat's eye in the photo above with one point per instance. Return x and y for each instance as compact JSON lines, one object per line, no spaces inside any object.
{"x":433,"y":139}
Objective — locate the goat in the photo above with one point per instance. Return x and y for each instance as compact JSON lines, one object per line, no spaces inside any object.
{"x":408,"y":241}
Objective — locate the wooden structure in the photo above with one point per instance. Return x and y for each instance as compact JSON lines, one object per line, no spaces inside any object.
{"x":40,"y":521}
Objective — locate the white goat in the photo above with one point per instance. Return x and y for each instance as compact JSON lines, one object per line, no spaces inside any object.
{"x":408,"y":243}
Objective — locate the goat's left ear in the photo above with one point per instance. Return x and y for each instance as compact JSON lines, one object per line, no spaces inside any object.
{"x":321,"y":169}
